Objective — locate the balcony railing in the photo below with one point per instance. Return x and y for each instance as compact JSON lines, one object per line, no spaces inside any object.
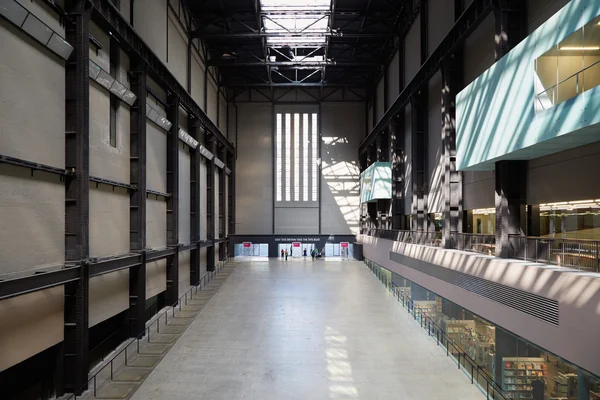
{"x":579,"y":254}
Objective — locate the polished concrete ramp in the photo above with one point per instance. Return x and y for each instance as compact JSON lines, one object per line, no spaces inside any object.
{"x":305,"y":330}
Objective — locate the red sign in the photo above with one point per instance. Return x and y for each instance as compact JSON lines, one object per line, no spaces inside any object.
{"x":296,"y":244}
{"x":247,"y":244}
{"x":344,"y":244}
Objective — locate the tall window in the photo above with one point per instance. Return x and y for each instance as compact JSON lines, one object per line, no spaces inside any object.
{"x":296,"y":173}
{"x":288,"y":156}
{"x":315,"y":156}
{"x":279,"y":159}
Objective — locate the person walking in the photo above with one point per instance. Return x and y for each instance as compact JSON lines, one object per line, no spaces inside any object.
{"x":286,"y":255}
{"x":282,"y":253}
{"x":312,"y":254}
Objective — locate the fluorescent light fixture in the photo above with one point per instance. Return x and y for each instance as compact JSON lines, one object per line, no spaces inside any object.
{"x":153,"y":116}
{"x":166,"y":124}
{"x":227,"y":171}
{"x":118,"y":89}
{"x":13,"y":11}
{"x":37,"y":29}
{"x":104,"y":79}
{"x":129,"y":97}
{"x":219,"y":163}
{"x":148,"y":109}
{"x":94,"y":69}
{"x":187,"y":139}
{"x":60,"y":46}
{"x":580,"y":48}
{"x":204,"y":151}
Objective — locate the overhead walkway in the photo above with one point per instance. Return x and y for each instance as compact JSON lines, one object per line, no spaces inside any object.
{"x":305,"y":330}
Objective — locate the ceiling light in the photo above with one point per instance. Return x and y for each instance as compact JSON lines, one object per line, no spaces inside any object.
{"x":584,"y":48}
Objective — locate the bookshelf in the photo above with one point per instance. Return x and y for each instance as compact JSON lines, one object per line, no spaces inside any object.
{"x":519,"y":375}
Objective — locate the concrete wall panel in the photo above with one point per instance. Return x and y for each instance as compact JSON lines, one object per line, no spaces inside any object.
{"x":177,"y":50}
{"x":156,"y":222}
{"x":412,"y":52}
{"x":30,"y":324}
{"x":479,"y":50}
{"x":211,"y":108}
{"x":156,"y":278}
{"x":380,"y":99}
{"x":342,"y":130}
{"x":254,"y":181}
{"x":440,"y":21}
{"x":295,"y":220}
{"x":32,"y":79}
{"x":184,"y":272}
{"x":109,"y":295}
{"x":32,"y":219}
{"x":198,"y":80}
{"x":393,"y":79}
{"x":156,"y":153}
{"x":151,"y":24}
{"x":109,"y":220}
{"x":184,"y":193}
{"x":478,"y":189}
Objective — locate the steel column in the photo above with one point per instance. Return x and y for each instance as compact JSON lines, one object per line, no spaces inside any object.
{"x":210,"y":205}
{"x":172,"y":292}
{"x":452,"y":72}
{"x":193,"y":130}
{"x":419,"y":161}
{"x":396,"y":145}
{"x":77,"y":107}
{"x":137,"y":207}
{"x":222,"y":205}
{"x":231,"y":195}
{"x":511,"y":198}
{"x":511,"y":25}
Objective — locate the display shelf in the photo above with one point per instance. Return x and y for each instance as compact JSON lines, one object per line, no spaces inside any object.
{"x":519,"y":375}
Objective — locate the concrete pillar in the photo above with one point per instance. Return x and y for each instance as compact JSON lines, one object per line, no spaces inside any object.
{"x":511,"y":182}
{"x":451,"y":178}
{"x":419,"y":161}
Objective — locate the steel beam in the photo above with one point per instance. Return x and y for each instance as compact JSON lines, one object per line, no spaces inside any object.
{"x":115,"y":264}
{"x":137,"y":204}
{"x":474,"y":15}
{"x":109,"y":17}
{"x":304,"y":64}
{"x":257,"y":35}
{"x":39,"y":281}
{"x":193,"y":130}
{"x":77,"y":136}
{"x":155,"y":255}
{"x":4,"y":159}
{"x":172,"y":293}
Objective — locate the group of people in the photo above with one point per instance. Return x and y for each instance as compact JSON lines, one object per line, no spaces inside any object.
{"x":313,"y":253}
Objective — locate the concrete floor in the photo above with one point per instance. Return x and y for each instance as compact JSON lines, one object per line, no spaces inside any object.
{"x":309,"y":331}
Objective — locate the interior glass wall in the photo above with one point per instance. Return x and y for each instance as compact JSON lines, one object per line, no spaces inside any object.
{"x":520,"y":368}
{"x":571,"y":220}
{"x":569,"y":68}
{"x":483,"y":221}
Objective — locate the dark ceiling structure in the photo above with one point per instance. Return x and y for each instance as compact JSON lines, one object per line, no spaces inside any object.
{"x":294,"y":43}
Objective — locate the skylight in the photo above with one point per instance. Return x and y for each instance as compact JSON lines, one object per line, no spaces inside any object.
{"x":300,"y":23}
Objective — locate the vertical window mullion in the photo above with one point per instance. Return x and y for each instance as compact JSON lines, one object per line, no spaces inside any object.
{"x":296,"y":157}
{"x":305,"y":140}
{"x":315,"y":157}
{"x":278,"y":158}
{"x":288,"y":161}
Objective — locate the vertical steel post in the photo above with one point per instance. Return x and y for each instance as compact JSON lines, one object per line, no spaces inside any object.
{"x":210,"y":204}
{"x":172,"y":292}
{"x":193,"y":128}
{"x":77,"y":107}
{"x":137,"y":205}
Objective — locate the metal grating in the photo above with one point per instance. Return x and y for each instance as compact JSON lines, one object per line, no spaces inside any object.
{"x":529,"y":303}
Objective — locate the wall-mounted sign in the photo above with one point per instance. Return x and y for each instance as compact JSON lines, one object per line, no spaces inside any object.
{"x":295,"y":244}
{"x":247,"y":244}
{"x":296,"y":239}
{"x":187,"y":139}
{"x":344,"y":245}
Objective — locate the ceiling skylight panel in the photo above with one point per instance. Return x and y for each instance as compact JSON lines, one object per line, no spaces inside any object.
{"x":294,"y":40}
{"x":296,"y":23}
{"x":297,"y":5}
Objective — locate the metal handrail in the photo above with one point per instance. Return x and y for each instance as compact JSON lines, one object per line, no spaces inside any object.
{"x":492,"y":389}
{"x":204,"y":281}
{"x":567,"y":78}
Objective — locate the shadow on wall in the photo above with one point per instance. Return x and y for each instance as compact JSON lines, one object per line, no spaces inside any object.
{"x":340,"y":187}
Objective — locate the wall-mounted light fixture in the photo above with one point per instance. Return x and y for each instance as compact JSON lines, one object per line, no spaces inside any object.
{"x":204,"y":151}
{"x":227,"y":171}
{"x":158,"y":119}
{"x":104,"y":79}
{"x":219,"y":163}
{"x":187,"y":139}
{"x":34,"y":27}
